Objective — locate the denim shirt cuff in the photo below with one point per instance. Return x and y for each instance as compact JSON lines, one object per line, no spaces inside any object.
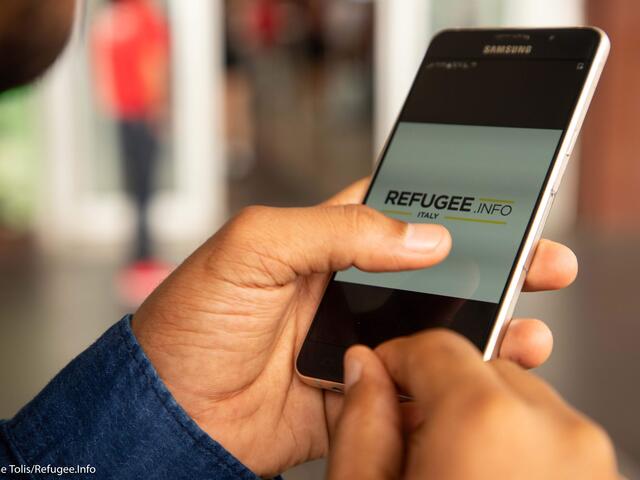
{"x":109,"y":409}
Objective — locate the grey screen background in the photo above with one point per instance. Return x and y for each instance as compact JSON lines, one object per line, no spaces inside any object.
{"x":498,"y":166}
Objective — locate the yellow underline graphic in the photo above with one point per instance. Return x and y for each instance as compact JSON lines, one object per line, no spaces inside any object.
{"x":397,"y":212}
{"x":496,"y":200}
{"x":476,"y":220}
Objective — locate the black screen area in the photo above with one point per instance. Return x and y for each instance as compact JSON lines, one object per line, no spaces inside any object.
{"x":456,"y":85}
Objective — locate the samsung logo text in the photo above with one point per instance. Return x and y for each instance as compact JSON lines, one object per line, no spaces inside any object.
{"x":507,"y":49}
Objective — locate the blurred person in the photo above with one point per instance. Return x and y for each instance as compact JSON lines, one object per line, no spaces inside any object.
{"x":210,"y":354}
{"x":267,"y":22}
{"x":130,"y":46}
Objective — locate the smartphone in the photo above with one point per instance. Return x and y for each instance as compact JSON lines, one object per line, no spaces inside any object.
{"x":480,"y":146}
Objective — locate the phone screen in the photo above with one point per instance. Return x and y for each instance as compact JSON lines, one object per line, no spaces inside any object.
{"x":472,"y":150}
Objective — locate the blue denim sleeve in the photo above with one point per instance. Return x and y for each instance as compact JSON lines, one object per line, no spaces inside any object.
{"x":109,"y":413}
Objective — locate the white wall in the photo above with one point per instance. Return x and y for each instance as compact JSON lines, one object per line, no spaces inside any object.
{"x":402,"y":33}
{"x":543,"y":12}
{"x":198,"y":205}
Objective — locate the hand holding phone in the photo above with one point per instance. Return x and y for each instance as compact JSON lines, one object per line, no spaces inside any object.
{"x":222,"y":331}
{"x":470,"y":419}
{"x":480,"y":147}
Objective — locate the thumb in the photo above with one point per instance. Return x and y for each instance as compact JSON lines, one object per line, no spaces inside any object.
{"x":283,"y":243}
{"x":368,"y":439}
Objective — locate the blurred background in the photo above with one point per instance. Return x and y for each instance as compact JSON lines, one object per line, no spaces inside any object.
{"x":103,"y":189}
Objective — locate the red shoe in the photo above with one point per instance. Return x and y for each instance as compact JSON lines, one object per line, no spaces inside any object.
{"x":139,"y":279}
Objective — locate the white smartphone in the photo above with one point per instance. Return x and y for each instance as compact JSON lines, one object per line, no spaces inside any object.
{"x":480,"y":146}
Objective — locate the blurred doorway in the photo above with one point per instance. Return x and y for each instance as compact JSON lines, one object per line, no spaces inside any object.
{"x":299,"y":98}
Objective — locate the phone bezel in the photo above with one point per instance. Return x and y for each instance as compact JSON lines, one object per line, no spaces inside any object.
{"x":548,"y":191}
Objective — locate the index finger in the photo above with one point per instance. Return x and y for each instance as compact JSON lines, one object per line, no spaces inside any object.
{"x":554,"y":266}
{"x":430,"y":366}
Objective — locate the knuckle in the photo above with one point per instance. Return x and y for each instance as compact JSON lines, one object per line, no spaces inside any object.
{"x":506,"y":366}
{"x":251,"y":214}
{"x":391,"y":351}
{"x":366,"y":399}
{"x":237,"y":236}
{"x":364,"y":404}
{"x":252,"y":249}
{"x":360,"y":217}
{"x":483,"y":409}
{"x":246,"y":222}
{"x":438,"y":342}
{"x":591,"y":440}
{"x":338,"y":219}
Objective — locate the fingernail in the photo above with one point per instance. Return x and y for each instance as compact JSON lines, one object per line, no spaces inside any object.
{"x":352,"y":372}
{"x":423,"y":237}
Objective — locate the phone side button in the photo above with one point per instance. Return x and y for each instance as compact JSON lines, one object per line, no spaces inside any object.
{"x":556,"y":185}
{"x":573,"y":142}
{"x":538,"y":234}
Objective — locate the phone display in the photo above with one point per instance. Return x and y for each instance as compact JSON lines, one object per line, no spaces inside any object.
{"x":481,"y":182}
{"x":474,"y":149}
